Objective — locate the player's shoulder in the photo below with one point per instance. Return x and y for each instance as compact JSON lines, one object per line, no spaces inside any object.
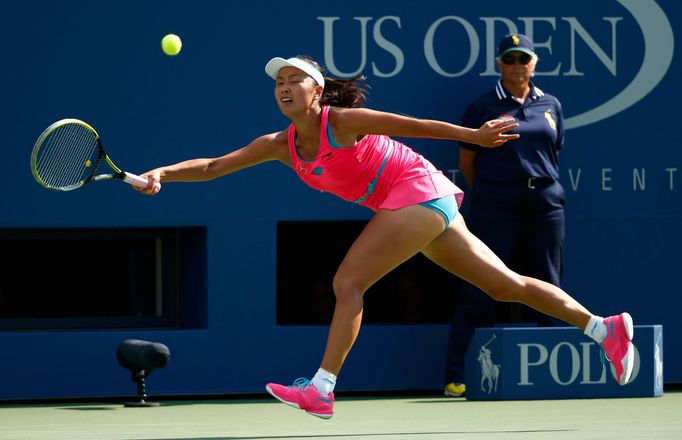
{"x":349,"y":118}
{"x":272,"y":140}
{"x":342,"y":114}
{"x":272,"y":145}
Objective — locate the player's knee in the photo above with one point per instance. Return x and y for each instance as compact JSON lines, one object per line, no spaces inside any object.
{"x":347,"y":286}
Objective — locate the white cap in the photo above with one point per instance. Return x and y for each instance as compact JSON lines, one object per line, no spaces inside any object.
{"x":276,"y":64}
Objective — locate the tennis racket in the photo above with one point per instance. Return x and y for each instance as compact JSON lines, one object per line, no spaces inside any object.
{"x":67,"y":155}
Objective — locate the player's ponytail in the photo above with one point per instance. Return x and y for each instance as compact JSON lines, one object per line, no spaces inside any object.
{"x":344,"y":92}
{"x":348,"y":92}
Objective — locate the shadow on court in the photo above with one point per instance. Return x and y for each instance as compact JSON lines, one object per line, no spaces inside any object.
{"x":368,"y":435}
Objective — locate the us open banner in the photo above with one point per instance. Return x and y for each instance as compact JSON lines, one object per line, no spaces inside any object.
{"x":613,"y":64}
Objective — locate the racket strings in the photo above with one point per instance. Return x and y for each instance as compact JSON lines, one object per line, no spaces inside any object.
{"x":68,"y":156}
{"x":75,"y":167}
{"x":55,"y":147}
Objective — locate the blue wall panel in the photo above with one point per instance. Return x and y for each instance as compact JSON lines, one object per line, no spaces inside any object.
{"x":612,"y":64}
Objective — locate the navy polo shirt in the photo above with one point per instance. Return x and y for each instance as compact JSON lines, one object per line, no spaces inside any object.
{"x":534,"y":154}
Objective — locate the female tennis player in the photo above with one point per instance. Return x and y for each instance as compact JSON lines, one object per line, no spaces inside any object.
{"x":335,"y":145}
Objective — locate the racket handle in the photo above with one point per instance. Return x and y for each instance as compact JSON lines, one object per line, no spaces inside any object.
{"x":134,"y":179}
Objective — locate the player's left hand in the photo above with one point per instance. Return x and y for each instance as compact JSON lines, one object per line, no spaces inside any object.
{"x":494,"y":133}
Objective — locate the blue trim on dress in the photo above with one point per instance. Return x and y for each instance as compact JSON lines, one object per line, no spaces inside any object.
{"x":330,"y":137}
{"x":373,"y":183}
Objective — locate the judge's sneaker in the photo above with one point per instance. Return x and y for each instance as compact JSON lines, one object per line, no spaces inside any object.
{"x":617,"y":347}
{"x":455,"y":389}
{"x":303,"y":395}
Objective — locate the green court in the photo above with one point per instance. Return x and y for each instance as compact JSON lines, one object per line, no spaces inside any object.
{"x":370,"y":418}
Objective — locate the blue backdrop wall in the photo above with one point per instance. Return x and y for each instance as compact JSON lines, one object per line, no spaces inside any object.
{"x":612,"y":63}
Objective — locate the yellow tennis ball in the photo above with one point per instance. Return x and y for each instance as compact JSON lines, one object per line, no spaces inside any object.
{"x":171,"y":44}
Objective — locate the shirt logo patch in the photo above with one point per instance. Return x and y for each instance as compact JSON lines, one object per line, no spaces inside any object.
{"x":301,"y":169}
{"x":317,"y":171}
{"x":550,"y":119}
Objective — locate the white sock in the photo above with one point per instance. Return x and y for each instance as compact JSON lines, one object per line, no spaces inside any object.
{"x":324,"y":381}
{"x":596,"y":329}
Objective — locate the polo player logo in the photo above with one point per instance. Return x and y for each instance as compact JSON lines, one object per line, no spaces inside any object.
{"x":490,"y":372}
{"x":515,"y":40}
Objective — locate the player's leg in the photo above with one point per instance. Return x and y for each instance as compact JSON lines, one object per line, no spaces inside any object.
{"x":389,"y":239}
{"x":460,"y":252}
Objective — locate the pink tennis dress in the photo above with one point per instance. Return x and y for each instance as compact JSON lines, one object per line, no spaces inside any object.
{"x":377,"y":172}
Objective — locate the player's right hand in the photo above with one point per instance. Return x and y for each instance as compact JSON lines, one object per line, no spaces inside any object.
{"x":153,"y":185}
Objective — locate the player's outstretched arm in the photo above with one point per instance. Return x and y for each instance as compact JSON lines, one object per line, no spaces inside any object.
{"x":263,"y":149}
{"x":356,"y":121}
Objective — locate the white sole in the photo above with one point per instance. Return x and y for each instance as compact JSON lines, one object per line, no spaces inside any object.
{"x":628,"y":361}
{"x":322,"y":416}
{"x":629,"y":325}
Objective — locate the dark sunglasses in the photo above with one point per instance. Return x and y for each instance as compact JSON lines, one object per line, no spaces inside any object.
{"x":510,"y":59}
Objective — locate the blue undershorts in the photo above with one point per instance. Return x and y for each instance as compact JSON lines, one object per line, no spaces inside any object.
{"x":445,"y":206}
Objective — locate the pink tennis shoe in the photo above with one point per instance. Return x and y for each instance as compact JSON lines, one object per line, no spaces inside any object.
{"x":303,"y":395}
{"x":618,"y":346}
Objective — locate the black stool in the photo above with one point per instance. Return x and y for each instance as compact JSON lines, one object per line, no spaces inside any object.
{"x":141,"y":358}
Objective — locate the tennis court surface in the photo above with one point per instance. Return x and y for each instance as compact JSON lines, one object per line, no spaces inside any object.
{"x":369,"y":418}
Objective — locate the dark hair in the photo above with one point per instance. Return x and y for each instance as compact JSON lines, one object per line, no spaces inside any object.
{"x":348,"y":92}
